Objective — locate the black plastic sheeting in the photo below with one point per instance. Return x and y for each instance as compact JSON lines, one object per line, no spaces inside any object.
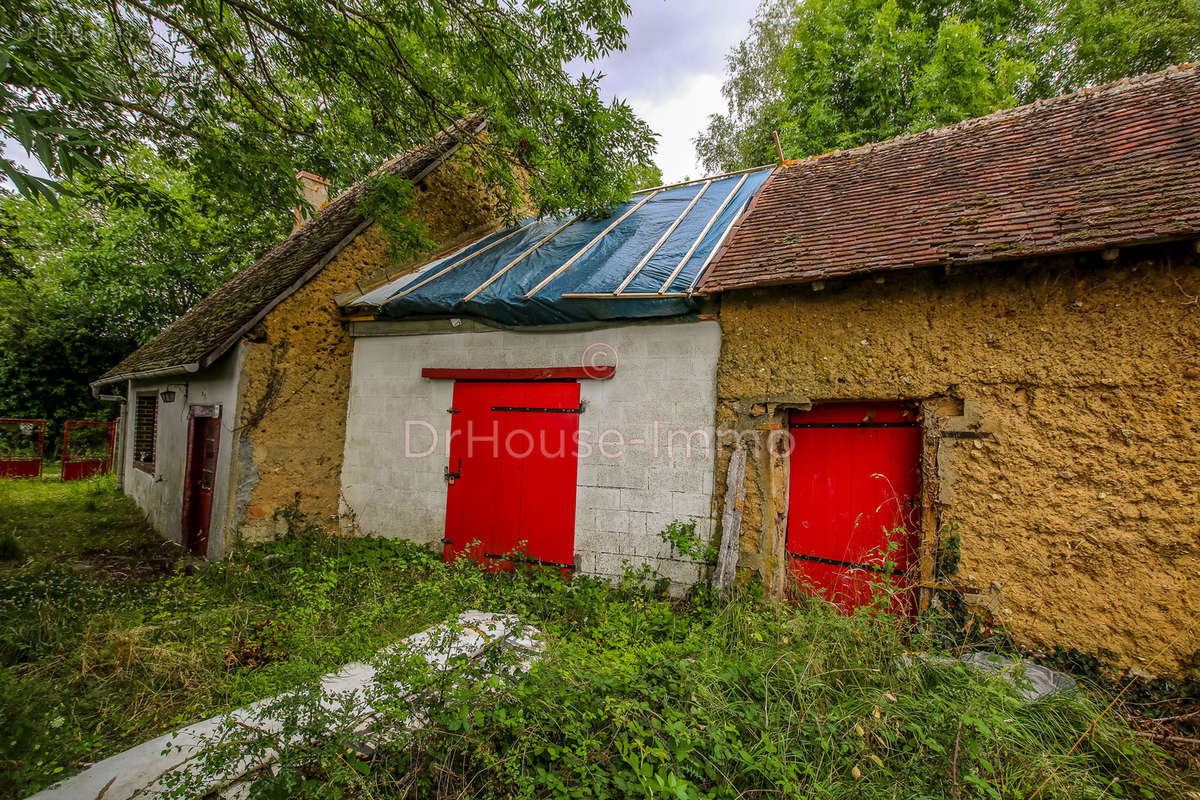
{"x":600,"y":270}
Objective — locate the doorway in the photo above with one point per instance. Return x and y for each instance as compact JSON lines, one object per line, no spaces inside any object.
{"x":853,"y":502}
{"x":204,"y":435}
{"x":512,"y":472}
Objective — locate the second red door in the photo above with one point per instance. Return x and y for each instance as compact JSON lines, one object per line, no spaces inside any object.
{"x":852,"y":503}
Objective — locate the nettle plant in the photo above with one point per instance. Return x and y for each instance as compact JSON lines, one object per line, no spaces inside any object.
{"x":686,"y":542}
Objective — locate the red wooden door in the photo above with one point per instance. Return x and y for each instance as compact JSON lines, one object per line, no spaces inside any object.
{"x":203,"y":440}
{"x":512,"y":472}
{"x":852,"y":505}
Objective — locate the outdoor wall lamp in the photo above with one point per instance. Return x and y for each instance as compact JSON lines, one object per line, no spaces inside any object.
{"x":167,"y":395}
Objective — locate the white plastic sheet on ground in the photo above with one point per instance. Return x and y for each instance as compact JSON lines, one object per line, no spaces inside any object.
{"x":149,"y":768}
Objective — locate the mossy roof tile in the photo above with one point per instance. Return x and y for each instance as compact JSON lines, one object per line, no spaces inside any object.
{"x":1107,"y":167}
{"x":208,"y":329}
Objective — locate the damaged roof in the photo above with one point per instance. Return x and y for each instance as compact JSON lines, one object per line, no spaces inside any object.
{"x":643,"y":260}
{"x":208,"y":329}
{"x":1108,"y":167}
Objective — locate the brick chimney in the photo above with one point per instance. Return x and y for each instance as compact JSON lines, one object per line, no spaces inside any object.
{"x":314,"y":191}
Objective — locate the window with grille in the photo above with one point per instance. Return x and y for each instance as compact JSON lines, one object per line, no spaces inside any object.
{"x":145,"y":431}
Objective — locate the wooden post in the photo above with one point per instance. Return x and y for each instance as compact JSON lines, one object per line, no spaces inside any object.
{"x":731,"y":520}
{"x":929,"y":533}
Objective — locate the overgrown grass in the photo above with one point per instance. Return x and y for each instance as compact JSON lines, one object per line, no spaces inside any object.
{"x":94,"y":658}
{"x":56,"y":520}
{"x":637,"y":695}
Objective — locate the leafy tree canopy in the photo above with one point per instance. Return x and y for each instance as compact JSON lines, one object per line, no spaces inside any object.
{"x":830,"y":74}
{"x":84,"y":282}
{"x":243,"y":93}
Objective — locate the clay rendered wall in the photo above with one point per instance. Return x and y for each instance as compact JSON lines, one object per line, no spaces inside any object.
{"x":296,"y":372}
{"x":1079,"y":515}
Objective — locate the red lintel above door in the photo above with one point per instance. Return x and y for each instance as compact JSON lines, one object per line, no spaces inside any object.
{"x":599,"y":373}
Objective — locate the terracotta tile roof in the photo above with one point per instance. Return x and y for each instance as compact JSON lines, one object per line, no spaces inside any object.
{"x":208,"y":329}
{"x":1106,"y":167}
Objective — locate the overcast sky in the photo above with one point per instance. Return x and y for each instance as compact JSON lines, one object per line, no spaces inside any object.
{"x":672,"y":70}
{"x":671,"y":73}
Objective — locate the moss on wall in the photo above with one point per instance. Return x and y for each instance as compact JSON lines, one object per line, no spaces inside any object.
{"x":1081,"y":510}
{"x":296,"y":374}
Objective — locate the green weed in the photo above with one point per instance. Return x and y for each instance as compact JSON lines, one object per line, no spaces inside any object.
{"x":10,"y":548}
{"x":637,"y":695}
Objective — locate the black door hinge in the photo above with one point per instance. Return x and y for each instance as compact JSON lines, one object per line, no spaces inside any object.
{"x":851,"y":564}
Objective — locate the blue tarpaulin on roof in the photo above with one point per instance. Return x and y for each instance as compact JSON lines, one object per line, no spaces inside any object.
{"x":599,"y":257}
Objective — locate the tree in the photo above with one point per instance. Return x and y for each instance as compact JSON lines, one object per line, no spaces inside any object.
{"x":84,"y":283}
{"x":831,"y":74}
{"x":648,"y":176}
{"x":754,"y":90}
{"x":243,"y":93}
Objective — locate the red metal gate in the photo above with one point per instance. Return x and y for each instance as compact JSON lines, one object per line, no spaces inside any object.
{"x":87,"y":448}
{"x":204,"y":435}
{"x":853,"y":501}
{"x":512,"y":472}
{"x":22,"y":444}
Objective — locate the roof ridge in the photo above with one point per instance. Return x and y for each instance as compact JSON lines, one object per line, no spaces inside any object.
{"x":248,"y":295}
{"x":1112,"y":166}
{"x":1103,"y":90}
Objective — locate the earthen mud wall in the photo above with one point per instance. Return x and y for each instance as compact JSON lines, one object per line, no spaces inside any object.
{"x":296,"y":374}
{"x":1078,"y":514}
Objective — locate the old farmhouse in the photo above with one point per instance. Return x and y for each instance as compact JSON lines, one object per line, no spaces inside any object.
{"x":962,"y":362}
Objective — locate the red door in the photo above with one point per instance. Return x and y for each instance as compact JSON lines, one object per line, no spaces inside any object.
{"x":512,"y":472}
{"x":204,"y":432}
{"x":852,"y":503}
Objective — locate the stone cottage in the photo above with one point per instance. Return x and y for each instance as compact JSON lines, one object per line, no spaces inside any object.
{"x":237,"y":409}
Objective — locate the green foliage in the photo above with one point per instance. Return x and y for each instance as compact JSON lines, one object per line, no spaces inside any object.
{"x":949,"y":552}
{"x":640,"y":699}
{"x":245,"y":94}
{"x":94,"y":277}
{"x":18,"y":441}
{"x":638,"y":694}
{"x":388,"y":203}
{"x":754,"y":89}
{"x":90,"y":442}
{"x":832,"y":74}
{"x":646,"y":176}
{"x":683,"y":540}
{"x":172,"y":133}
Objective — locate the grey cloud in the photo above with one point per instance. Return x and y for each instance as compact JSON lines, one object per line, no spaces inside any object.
{"x":670,"y":41}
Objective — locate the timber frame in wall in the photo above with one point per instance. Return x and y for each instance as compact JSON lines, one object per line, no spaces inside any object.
{"x":936,"y":417}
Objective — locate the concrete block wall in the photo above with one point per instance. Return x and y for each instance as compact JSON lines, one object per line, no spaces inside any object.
{"x":646,"y":453}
